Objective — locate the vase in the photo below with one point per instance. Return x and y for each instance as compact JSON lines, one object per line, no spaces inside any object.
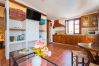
{"x":36,"y":61}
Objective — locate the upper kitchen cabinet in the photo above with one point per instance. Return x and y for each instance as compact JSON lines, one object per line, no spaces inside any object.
{"x":90,"y":20}
{"x":2,"y":11}
{"x":93,"y":20}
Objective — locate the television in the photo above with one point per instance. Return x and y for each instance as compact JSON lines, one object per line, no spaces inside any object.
{"x":29,"y":13}
{"x":33,"y":14}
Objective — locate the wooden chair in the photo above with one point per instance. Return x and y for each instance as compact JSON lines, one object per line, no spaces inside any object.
{"x":76,"y":55}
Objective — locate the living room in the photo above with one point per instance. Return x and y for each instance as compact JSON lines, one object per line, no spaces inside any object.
{"x":49,"y":33}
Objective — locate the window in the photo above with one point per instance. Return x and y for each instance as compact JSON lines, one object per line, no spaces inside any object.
{"x":73,"y":26}
{"x":67,"y":27}
{"x":76,"y":26}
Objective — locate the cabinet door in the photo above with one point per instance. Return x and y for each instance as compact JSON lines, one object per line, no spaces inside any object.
{"x":1,"y":37}
{"x":92,"y":38}
{"x":82,"y":39}
{"x":2,"y":24}
{"x":75,"y":40}
{"x":63,"y":39}
{"x":2,"y":29}
{"x":68,"y":39}
{"x":85,"y":21}
{"x":54,"y":38}
{"x":93,"y":20}
{"x":57,"y":38}
{"x":89,"y":20}
{"x":1,"y":11}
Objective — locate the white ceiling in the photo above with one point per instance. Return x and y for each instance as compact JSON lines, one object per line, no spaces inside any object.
{"x":2,"y":1}
{"x":56,"y":9}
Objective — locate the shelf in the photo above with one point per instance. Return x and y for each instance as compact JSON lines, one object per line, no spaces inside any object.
{"x":16,"y":42}
{"x":17,"y":29}
{"x":16,"y":18}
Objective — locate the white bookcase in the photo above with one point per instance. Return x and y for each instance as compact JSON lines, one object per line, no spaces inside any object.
{"x":14,"y":28}
{"x":17,"y":34}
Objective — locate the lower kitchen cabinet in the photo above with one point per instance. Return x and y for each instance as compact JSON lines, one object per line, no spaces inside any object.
{"x":74,"y":39}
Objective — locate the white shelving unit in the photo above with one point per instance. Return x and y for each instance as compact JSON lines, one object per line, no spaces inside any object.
{"x":30,"y":29}
{"x":17,"y":42}
{"x":17,"y":29}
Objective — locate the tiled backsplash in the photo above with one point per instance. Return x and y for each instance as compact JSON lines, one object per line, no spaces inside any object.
{"x":60,"y":32}
{"x":84,"y":31}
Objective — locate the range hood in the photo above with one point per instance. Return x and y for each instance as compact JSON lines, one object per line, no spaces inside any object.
{"x":57,"y":24}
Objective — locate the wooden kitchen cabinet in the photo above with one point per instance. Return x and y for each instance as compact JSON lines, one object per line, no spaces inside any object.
{"x":2,"y":11}
{"x":90,"y":20}
{"x":82,"y":39}
{"x":68,"y":39}
{"x":87,"y":39}
{"x":93,"y":20}
{"x":2,"y":37}
{"x":57,"y":38}
{"x":74,"y":39}
{"x":92,"y":38}
{"x":2,"y":28}
{"x":63,"y":39}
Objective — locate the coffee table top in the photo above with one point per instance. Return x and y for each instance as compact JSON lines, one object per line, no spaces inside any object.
{"x":25,"y":59}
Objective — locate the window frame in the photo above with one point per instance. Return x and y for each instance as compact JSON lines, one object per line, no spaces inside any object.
{"x":74,"y":25}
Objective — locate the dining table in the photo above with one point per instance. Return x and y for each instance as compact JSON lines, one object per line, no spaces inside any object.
{"x":89,"y":48}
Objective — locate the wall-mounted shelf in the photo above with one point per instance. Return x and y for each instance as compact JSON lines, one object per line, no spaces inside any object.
{"x":16,"y":18}
{"x":17,"y":29}
{"x":17,"y":42}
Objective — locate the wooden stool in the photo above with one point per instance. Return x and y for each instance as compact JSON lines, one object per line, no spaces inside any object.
{"x":76,"y":55}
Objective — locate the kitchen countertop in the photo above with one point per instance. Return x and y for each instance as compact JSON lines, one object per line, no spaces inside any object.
{"x":78,"y":35}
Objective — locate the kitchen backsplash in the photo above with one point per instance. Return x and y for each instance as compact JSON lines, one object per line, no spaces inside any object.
{"x":60,"y":32}
{"x":84,"y":31}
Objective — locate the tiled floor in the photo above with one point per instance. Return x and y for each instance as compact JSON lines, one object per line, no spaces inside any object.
{"x":61,"y":54}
